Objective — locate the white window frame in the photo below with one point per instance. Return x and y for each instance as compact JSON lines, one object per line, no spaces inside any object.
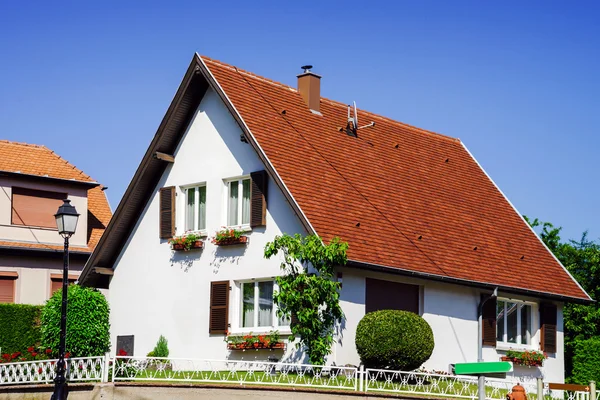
{"x":184,"y":189}
{"x":504,"y":344}
{"x":238,"y":304}
{"x":227,"y":182}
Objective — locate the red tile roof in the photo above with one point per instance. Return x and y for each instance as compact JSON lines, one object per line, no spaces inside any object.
{"x":402,"y":197}
{"x":29,"y":159}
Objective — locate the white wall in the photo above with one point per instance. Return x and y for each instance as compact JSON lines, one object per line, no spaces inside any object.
{"x":155,"y":291}
{"x":451,"y":311}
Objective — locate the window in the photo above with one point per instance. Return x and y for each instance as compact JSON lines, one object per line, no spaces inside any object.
{"x":238,"y":202}
{"x":32,"y":207}
{"x":386,"y":295}
{"x":513,"y":322}
{"x":257,"y":308}
{"x":7,"y":287}
{"x":56,"y":282}
{"x":195,"y":208}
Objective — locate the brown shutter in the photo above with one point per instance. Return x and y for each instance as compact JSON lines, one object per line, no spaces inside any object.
{"x":7,"y":289}
{"x":258,"y":198}
{"x":56,"y":282}
{"x":548,"y":323}
{"x":387,"y":295}
{"x":219,"y":307}
{"x":488,"y":319}
{"x":35,"y":207}
{"x":167,"y":212}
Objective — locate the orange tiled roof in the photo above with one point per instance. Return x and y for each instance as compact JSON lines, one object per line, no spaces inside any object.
{"x":39,"y":160}
{"x":402,"y":197}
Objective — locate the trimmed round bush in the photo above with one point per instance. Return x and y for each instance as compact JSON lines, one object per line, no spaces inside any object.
{"x":394,"y":339}
{"x":87,"y":322}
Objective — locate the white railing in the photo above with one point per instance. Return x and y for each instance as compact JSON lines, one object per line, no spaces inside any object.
{"x":79,"y":369}
{"x":431,"y":384}
{"x":234,"y":372}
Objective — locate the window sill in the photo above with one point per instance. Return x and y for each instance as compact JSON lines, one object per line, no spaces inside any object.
{"x":512,"y":346}
{"x":202,"y":233}
{"x":285,"y":331}
{"x":243,"y":228}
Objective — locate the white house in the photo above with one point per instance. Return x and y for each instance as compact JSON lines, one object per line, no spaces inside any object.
{"x":428,"y":230}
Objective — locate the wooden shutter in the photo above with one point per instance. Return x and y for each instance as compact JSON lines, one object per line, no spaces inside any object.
{"x":386,"y":295}
{"x":219,"y":307}
{"x":167,"y":212}
{"x":56,"y":282}
{"x":548,"y":323}
{"x":35,"y":207}
{"x":488,"y":319}
{"x":258,"y":198}
{"x":7,"y":289}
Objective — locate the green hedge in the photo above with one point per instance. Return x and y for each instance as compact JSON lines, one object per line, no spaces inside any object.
{"x":19,"y":327}
{"x":393,"y":339}
{"x":586,"y":361}
{"x":87,"y":322}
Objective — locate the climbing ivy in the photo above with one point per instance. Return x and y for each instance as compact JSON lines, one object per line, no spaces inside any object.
{"x":307,"y":293}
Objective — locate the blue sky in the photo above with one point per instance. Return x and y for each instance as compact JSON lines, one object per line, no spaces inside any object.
{"x":517,"y":83}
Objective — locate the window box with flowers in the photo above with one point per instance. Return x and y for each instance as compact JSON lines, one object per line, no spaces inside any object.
{"x":269,"y":341}
{"x":186,"y":242}
{"x":229,"y":236}
{"x":529,"y":358}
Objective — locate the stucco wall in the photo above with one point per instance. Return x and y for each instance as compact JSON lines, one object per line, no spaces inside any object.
{"x":155,"y":291}
{"x":451,"y":310}
{"x":33,"y":284}
{"x":78,"y":197}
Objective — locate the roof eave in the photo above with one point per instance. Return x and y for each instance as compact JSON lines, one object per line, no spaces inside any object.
{"x":50,"y":179}
{"x":468,"y":282}
{"x":27,"y":251}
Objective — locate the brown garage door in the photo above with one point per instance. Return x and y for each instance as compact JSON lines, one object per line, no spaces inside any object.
{"x":386,"y":295}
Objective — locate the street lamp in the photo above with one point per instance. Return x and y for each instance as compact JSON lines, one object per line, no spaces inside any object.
{"x":66,"y":222}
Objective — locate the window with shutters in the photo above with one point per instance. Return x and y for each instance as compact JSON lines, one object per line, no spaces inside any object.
{"x":7,"y":289}
{"x":35,"y":208}
{"x":257,"y":311}
{"x":238,"y":202}
{"x":195,"y":208}
{"x":56,"y":282}
{"x":514,"y":321}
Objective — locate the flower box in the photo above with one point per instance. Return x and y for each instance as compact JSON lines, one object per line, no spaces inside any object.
{"x":198,"y":244}
{"x":256,"y":346}
{"x":231,"y":241}
{"x":518,"y":361}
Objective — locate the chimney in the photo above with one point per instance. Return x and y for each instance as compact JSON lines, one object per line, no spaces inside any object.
{"x":309,"y":86}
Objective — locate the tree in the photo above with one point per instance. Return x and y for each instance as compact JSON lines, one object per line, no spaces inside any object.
{"x":582,"y":259}
{"x":307,"y":293}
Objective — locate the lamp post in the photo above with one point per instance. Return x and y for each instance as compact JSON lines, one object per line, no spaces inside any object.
{"x":481,"y":378}
{"x":66,"y":222}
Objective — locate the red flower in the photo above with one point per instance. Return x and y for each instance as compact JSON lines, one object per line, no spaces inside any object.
{"x":30,"y":349}
{"x":15,"y":355}
{"x":81,"y":367}
{"x":34,"y":354}
{"x":122,"y":352}
{"x":67,"y":354}
{"x":40,"y":370}
{"x":48,"y":351}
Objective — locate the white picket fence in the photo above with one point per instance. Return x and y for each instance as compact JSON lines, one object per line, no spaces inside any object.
{"x":197,"y":371}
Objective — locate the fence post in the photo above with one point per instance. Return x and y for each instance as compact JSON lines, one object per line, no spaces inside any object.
{"x":540,"y":388}
{"x":105,"y":369}
{"x":592,"y":390}
{"x":361,"y":378}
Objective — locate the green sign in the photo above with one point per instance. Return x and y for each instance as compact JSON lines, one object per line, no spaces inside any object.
{"x":483,"y":368}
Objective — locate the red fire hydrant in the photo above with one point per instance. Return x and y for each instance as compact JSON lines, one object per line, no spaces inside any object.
{"x":518,"y":393}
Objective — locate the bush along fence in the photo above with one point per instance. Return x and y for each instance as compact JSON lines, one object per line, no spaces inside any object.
{"x":123,"y":368}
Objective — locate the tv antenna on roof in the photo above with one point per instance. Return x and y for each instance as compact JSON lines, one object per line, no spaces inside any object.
{"x":352,"y":127}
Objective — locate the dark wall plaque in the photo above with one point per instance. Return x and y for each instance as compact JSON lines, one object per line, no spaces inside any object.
{"x":125,"y":343}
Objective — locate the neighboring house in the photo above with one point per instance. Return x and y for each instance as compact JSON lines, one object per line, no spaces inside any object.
{"x":33,"y":183}
{"x":428,"y":230}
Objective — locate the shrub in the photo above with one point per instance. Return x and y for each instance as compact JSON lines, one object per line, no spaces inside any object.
{"x":87,"y":322}
{"x":586,"y":361}
{"x":393,"y":339}
{"x":161,"y":349}
{"x":19,"y":327}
